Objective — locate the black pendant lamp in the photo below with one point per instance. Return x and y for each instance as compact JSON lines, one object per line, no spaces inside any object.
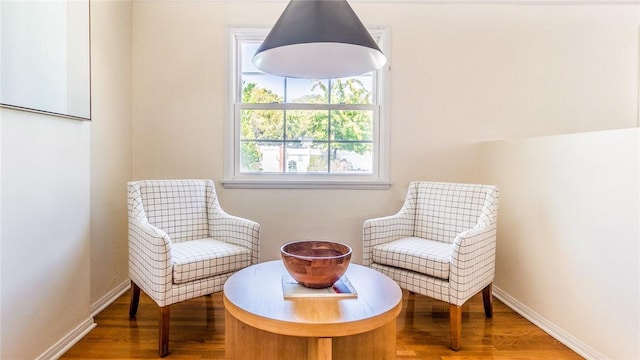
{"x":318,"y":39}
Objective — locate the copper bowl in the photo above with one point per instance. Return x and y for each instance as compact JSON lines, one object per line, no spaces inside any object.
{"x":316,"y":264}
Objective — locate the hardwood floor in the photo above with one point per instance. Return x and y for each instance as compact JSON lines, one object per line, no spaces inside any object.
{"x":197,"y":332}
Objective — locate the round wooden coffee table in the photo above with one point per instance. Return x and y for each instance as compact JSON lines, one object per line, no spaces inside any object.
{"x":260,"y":323}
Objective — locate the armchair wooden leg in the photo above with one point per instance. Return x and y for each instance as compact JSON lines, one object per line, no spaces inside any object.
{"x":135,"y":299}
{"x":487,"y":299}
{"x":455,"y":322}
{"x":165,"y":313}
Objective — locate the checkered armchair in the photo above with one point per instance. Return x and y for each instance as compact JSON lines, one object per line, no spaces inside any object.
{"x":182,"y":244}
{"x":441,"y":244}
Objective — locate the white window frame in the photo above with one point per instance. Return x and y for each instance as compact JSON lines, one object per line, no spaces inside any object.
{"x":233,"y":178}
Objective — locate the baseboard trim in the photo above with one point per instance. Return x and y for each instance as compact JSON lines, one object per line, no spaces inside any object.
{"x":109,"y":298}
{"x":547,"y":326}
{"x":64,"y":344}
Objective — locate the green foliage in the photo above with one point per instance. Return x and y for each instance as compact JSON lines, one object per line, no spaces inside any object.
{"x":349,"y":130}
{"x":250,"y":157}
{"x":257,"y":125}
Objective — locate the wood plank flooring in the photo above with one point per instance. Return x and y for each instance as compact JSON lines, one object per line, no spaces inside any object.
{"x":197,"y":332}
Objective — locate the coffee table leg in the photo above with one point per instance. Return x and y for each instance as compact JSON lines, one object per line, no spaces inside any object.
{"x":319,"y":349}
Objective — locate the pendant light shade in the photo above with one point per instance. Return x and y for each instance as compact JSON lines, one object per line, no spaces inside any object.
{"x":318,"y":39}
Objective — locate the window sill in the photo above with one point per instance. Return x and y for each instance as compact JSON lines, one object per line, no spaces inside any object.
{"x":306,"y":184}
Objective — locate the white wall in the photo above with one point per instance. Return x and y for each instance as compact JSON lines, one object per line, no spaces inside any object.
{"x":63,"y":225}
{"x":569,"y":235}
{"x":461,"y":74}
{"x":45,"y":231}
{"x":111,"y":143}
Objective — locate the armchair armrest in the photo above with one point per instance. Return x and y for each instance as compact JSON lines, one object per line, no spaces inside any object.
{"x":383,"y":230}
{"x":237,"y":231}
{"x":150,"y":259}
{"x":472,"y":261}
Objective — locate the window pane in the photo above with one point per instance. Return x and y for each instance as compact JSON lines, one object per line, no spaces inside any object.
{"x":311,"y":158}
{"x":351,"y":158}
{"x":257,"y":156}
{"x":352,"y":125}
{"x":352,"y":90}
{"x":305,"y":91}
{"x":308,"y":125}
{"x":262,"y":89}
{"x":248,"y":49}
{"x":262,"y":125}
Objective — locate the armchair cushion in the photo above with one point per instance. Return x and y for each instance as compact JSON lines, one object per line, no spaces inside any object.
{"x":423,"y":256}
{"x":203,"y":258}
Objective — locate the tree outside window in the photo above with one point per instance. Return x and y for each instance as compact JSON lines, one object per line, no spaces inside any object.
{"x":323,"y":133}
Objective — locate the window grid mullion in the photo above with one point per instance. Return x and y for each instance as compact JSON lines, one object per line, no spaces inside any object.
{"x":282,"y":106}
{"x":329,"y":147}
{"x":284,"y":137}
{"x":329,"y":142}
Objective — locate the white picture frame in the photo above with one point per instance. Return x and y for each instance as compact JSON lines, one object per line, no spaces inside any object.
{"x":45,"y":57}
